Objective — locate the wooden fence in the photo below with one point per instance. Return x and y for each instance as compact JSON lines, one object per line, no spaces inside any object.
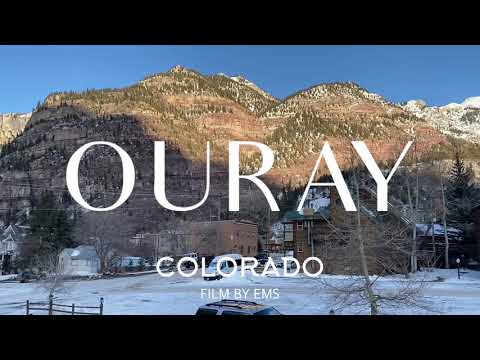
{"x":52,"y":308}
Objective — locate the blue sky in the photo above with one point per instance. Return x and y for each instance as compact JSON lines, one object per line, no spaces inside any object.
{"x":437,"y":74}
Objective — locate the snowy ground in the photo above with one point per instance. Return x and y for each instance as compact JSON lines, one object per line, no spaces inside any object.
{"x":152,"y":294}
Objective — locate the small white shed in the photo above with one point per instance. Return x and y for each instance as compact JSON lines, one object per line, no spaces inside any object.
{"x":80,"y":261}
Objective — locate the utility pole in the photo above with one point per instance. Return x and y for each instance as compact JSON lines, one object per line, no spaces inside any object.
{"x":268,"y":228}
{"x":308,"y":214}
{"x":444,"y":220}
{"x":157,"y":246}
{"x":458,"y":267}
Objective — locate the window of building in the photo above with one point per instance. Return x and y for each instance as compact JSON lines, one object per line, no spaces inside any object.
{"x":300,"y":248}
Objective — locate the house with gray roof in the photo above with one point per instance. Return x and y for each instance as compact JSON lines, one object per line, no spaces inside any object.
{"x":80,"y":261}
{"x":10,"y":239}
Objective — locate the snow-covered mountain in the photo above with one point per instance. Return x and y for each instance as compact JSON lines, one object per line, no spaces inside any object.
{"x":458,"y":120}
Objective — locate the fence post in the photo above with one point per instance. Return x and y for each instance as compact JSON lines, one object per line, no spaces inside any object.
{"x":28,"y":307}
{"x":101,"y":306}
{"x":50,"y":304}
{"x":73,"y":309}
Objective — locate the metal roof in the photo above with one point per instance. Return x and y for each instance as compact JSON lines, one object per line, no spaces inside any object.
{"x":82,"y":252}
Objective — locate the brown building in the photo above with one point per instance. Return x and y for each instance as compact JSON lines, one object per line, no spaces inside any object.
{"x":212,"y":238}
{"x":331,"y":235}
{"x":431,"y":240}
{"x":476,"y":230}
{"x":207,"y":238}
{"x":274,"y":246}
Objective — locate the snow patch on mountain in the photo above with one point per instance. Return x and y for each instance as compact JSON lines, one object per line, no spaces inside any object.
{"x":241,"y":80}
{"x":415,"y":106}
{"x":472,"y":102}
{"x":457,"y":120}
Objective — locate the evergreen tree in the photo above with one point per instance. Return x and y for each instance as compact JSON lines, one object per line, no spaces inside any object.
{"x":49,"y":226}
{"x":461,"y":193}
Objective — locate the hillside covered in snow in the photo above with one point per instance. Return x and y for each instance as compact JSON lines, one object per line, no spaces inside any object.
{"x":460,"y":120}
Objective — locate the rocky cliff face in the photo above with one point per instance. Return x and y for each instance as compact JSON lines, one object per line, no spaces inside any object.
{"x":11,"y":125}
{"x":186,"y":109}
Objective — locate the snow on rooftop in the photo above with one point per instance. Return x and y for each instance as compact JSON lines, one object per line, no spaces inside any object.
{"x":426,"y":229}
{"x":321,"y":202}
{"x":316,"y":199}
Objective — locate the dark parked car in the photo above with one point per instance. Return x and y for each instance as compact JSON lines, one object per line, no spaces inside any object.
{"x":262,"y":258}
{"x":26,"y":276}
{"x":236,"y":307}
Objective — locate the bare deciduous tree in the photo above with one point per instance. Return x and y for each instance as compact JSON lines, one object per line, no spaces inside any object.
{"x":383,"y":246}
{"x":53,"y":280}
{"x":102,"y":231}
